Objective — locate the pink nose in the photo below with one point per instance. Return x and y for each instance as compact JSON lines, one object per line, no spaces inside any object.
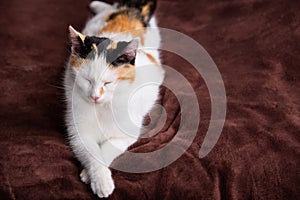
{"x":95,"y":98}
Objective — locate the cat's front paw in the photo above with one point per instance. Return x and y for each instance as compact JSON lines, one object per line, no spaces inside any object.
{"x":102,"y":183}
{"x":84,"y":176}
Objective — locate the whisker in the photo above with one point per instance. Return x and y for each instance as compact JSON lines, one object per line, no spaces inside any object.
{"x":56,"y":86}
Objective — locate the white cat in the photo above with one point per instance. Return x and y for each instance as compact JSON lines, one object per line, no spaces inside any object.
{"x":111,"y":82}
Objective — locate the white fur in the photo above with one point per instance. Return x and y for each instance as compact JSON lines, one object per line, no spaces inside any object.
{"x":100,"y":132}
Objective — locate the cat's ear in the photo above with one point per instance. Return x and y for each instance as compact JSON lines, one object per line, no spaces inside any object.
{"x":77,"y":40}
{"x":126,"y":54}
{"x":130,"y":50}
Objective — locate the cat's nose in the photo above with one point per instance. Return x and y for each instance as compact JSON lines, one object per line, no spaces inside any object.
{"x":95,"y":98}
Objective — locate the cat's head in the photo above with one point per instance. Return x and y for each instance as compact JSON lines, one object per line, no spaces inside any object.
{"x":99,"y":64}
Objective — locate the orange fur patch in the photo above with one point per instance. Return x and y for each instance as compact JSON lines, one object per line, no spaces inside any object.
{"x":76,"y":61}
{"x":94,"y":46}
{"x":146,"y":10}
{"x":101,"y":90}
{"x":124,"y":23}
{"x":152,"y":59}
{"x":112,"y":46}
{"x":126,"y":72}
{"x":82,"y":37}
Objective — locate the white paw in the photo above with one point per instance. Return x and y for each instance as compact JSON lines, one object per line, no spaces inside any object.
{"x":102,"y":183}
{"x":84,"y":176}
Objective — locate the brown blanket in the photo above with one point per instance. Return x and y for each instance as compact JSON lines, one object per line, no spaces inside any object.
{"x":256,"y":46}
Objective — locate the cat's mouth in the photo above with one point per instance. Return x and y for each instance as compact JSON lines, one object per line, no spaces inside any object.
{"x":93,"y":99}
{"x":99,"y":101}
{"x":96,"y":101}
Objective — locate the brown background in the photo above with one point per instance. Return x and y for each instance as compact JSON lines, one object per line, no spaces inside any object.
{"x":256,"y":46}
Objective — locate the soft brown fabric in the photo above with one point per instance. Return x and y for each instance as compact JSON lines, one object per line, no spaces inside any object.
{"x":256,"y":46}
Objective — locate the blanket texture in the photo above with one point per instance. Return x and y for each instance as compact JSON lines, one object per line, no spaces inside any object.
{"x":256,"y":46}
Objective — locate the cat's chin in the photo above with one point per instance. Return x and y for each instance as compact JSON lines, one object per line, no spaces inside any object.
{"x":99,"y":102}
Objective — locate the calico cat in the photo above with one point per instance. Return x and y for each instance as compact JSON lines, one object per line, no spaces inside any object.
{"x":111,"y":82}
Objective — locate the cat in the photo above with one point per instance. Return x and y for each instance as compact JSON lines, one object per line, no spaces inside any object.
{"x":111,"y":82}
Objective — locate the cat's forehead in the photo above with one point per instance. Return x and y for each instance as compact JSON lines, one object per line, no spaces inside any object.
{"x":94,"y":45}
{"x":97,"y":70}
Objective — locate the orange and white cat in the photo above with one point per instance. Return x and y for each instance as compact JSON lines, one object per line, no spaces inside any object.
{"x":111,"y":82}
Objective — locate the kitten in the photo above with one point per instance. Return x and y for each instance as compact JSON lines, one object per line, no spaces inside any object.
{"x":111,"y":82}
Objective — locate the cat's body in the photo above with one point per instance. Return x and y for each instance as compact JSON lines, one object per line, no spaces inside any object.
{"x":111,"y":82}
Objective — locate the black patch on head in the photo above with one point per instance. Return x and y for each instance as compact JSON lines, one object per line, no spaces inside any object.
{"x":118,"y":57}
{"x":87,"y":50}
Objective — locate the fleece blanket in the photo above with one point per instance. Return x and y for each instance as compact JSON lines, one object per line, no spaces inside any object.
{"x":256,"y":46}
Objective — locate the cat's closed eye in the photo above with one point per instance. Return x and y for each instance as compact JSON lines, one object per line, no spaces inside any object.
{"x":107,"y":83}
{"x":89,"y":81}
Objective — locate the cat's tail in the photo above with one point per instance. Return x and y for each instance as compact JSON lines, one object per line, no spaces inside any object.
{"x":145,"y":7}
{"x":99,"y":6}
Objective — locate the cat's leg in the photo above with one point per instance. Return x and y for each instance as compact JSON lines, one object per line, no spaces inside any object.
{"x":114,"y":147}
{"x":110,"y":150}
{"x":99,"y":176}
{"x":84,"y":176}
